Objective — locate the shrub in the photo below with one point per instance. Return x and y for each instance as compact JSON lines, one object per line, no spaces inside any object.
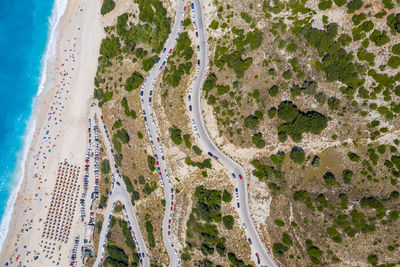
{"x":133,"y":81}
{"x":373,"y":259}
{"x":148,"y":63}
{"x":393,"y":21}
{"x":297,"y":155}
{"x":354,"y":5}
{"x":291,"y":47}
{"x":278,"y":158}
{"x":287,"y":111}
{"x":110,"y":47}
{"x":175,"y":134}
{"x":358,"y":18}
{"x":228,"y":221}
{"x":379,"y":37}
{"x":353,"y":157}
{"x":197,"y":150}
{"x":329,"y":179}
{"x":108,"y":6}
{"x":394,"y":62}
{"x":396,"y":49}
{"x":323,"y":5}
{"x":286,"y":239}
{"x":272,"y":112}
{"x":150,"y":235}
{"x":186,"y":139}
{"x":300,"y":195}
{"x":279,"y":249}
{"x":347,"y":175}
{"x":105,"y":166}
{"x":273,"y":91}
{"x":278,"y":222}
{"x":151,"y":161}
{"x":214,"y":24}
{"x":333,"y":103}
{"x":226,"y":196}
{"x":259,"y":114}
{"x":251,"y":122}
{"x":257,"y":140}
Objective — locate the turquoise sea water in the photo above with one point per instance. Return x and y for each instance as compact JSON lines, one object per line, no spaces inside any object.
{"x":24,"y":29}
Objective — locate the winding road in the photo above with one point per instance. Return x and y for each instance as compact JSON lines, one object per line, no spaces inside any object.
{"x":259,"y":253}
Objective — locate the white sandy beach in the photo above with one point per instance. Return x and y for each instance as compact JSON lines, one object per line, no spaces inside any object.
{"x":61,"y":114}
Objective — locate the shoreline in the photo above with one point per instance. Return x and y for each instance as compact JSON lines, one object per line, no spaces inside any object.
{"x":56,"y":131}
{"x":57,"y":12}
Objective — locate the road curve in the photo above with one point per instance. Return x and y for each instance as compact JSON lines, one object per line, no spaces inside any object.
{"x":119,"y":192}
{"x":259,"y":253}
{"x":146,"y":93}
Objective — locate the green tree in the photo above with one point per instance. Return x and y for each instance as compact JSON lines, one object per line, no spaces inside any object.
{"x":107,"y":6}
{"x":297,"y":155}
{"x":226,"y":196}
{"x":175,"y":134}
{"x":105,"y":166}
{"x":133,"y":81}
{"x":251,"y":122}
{"x":228,"y":221}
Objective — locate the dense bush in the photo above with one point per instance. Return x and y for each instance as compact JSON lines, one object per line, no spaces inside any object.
{"x":105,"y":166}
{"x":228,"y":221}
{"x":393,"y":21}
{"x":297,"y":155}
{"x":110,"y":47}
{"x":175,"y":134}
{"x":298,"y":122}
{"x":251,"y":122}
{"x":226,"y":196}
{"x":107,"y":6}
{"x":150,"y":234}
{"x":329,"y":179}
{"x":257,"y":140}
{"x":151,"y":162}
{"x":128,"y":112}
{"x":116,"y":256}
{"x":148,"y":63}
{"x":134,"y":81}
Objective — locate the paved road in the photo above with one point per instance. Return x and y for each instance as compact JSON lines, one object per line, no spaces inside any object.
{"x":146,"y":93}
{"x":119,"y":192}
{"x":259,"y":253}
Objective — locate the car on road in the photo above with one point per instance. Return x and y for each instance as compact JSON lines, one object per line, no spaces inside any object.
{"x":190,"y":107}
{"x":198,"y":62}
{"x":189,"y":97}
{"x":240,"y":176}
{"x":149,"y":99}
{"x":192,"y":5}
{"x":198,"y":48}
{"x":158,"y":59}
{"x":164,"y":49}
{"x":249,"y":240}
{"x":210,"y":154}
{"x":141,"y":93}
{"x":238,"y":205}
{"x":169,"y":52}
{"x":161,"y":67}
{"x":197,"y":34}
{"x":233,"y":174}
{"x":244,"y":226}
{"x":258,"y":258}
